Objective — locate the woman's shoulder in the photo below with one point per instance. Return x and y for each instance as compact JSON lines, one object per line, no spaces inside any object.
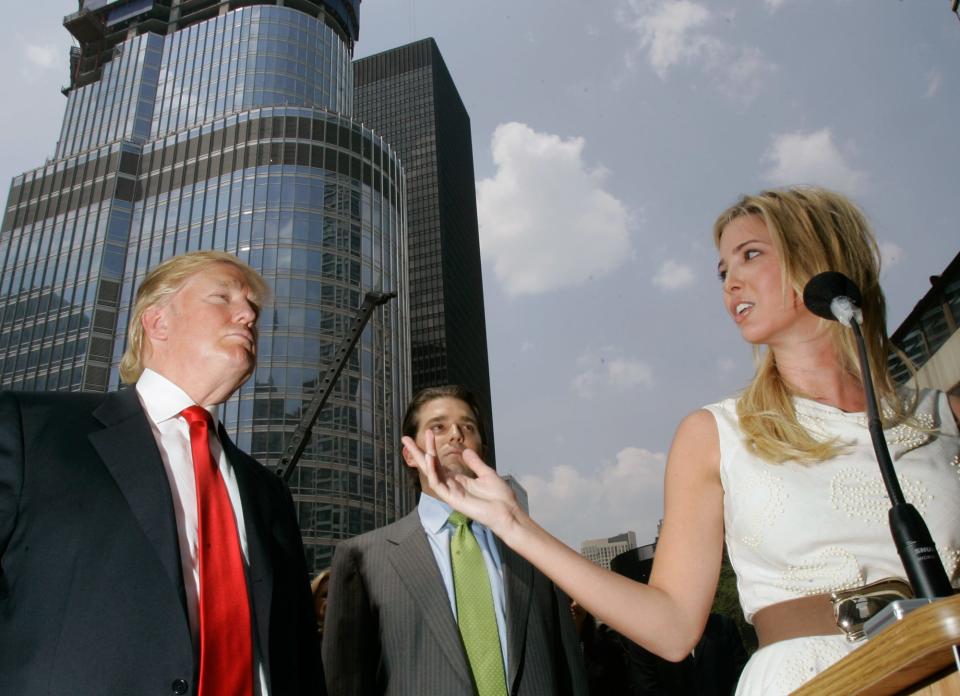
{"x":724,"y":417}
{"x":728,"y":405}
{"x":932,"y":408}
{"x":701,"y":423}
{"x":696,"y":446}
{"x":711,"y":419}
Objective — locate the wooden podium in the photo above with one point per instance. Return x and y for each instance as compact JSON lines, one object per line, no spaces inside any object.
{"x":912,"y":656}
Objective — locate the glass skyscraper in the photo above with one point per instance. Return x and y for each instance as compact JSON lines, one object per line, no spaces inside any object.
{"x":408,"y":96}
{"x":212,"y":124}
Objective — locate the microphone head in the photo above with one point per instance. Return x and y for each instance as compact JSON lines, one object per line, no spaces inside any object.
{"x":824,"y":288}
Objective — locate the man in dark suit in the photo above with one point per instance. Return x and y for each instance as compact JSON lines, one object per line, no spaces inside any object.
{"x":406,"y":616}
{"x":140,"y":551}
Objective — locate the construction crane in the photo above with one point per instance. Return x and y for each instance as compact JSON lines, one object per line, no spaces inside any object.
{"x":298,"y":441}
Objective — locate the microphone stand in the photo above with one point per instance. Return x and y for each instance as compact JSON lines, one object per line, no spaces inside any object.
{"x":832,"y":295}
{"x":910,"y":534}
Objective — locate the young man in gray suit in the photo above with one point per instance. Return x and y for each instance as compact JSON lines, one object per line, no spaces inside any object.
{"x":434,"y":605}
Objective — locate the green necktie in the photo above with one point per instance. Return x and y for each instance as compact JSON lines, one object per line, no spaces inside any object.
{"x":478,"y":625}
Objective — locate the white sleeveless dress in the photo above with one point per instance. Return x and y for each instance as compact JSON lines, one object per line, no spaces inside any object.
{"x":805,"y":529}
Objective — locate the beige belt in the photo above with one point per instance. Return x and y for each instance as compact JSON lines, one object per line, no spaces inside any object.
{"x":796,"y":618}
{"x":842,"y":611}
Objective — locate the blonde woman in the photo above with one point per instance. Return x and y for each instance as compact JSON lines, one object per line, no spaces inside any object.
{"x":784,"y":473}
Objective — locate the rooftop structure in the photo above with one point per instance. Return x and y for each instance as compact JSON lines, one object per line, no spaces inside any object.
{"x":602,"y":551}
{"x":100,"y":26}
{"x":929,"y":336}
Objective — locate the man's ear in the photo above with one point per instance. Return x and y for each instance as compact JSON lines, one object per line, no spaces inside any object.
{"x":154,"y":323}
{"x":408,"y":458}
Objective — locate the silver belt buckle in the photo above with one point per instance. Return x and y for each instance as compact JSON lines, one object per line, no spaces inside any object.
{"x":853,"y":608}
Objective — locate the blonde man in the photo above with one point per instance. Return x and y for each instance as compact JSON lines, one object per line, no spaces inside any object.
{"x":140,"y":550}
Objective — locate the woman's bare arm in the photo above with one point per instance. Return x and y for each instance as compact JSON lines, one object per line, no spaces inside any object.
{"x":667,"y":616}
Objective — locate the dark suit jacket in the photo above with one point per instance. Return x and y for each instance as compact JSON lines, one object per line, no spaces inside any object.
{"x":389,"y":629}
{"x":91,"y":589}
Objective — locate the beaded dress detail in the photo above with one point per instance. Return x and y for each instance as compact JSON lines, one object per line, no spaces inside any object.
{"x":797,"y":529}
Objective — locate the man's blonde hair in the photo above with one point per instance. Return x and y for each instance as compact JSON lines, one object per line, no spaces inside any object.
{"x":161,"y":284}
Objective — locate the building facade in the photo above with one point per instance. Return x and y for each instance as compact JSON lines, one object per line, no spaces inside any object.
{"x":408,"y":96}
{"x":224,"y":125}
{"x":929,"y":337}
{"x":602,"y":551}
{"x":519,"y":491}
{"x":636,"y":564}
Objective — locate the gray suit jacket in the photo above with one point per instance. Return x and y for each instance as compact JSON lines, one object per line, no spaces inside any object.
{"x":389,"y":629}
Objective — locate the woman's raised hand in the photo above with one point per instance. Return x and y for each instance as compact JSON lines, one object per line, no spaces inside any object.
{"x":480,"y":494}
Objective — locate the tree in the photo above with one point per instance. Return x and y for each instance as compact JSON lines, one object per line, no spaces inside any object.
{"x":727,"y":602}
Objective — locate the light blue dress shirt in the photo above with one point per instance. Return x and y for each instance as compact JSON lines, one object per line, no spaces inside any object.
{"x":433,"y":517}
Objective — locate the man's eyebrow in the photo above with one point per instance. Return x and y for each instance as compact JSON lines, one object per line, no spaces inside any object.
{"x":444,"y":417}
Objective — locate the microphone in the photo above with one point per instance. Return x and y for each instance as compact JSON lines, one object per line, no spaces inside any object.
{"x":834,"y":296}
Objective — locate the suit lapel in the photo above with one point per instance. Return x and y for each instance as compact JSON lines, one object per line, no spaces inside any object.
{"x":259,"y":524}
{"x":128,"y":449}
{"x":518,"y":584}
{"x":410,"y":554}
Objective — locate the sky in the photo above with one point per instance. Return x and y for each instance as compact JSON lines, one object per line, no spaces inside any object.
{"x":607,"y":137}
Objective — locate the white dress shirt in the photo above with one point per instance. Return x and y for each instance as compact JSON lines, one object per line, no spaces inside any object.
{"x":163,"y":401}
{"x":434,"y":516}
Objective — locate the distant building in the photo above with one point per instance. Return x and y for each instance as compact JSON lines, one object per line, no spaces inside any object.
{"x":602,"y":551}
{"x":929,"y":335}
{"x":224,"y":124}
{"x":635,"y":564}
{"x":518,"y":491}
{"x":407,"y":96}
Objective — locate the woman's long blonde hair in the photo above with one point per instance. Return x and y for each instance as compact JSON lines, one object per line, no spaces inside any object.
{"x":813,"y":230}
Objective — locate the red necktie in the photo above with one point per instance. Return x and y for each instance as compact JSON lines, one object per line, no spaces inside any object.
{"x":226,"y":644}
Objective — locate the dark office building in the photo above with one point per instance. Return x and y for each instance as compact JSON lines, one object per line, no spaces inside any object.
{"x":218,"y":124}
{"x":407,"y":96}
{"x":928,"y":337}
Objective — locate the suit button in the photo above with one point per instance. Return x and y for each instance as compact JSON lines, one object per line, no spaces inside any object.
{"x":179,"y":687}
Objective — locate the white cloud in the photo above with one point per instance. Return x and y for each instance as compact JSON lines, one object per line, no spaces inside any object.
{"x":743,"y":70}
{"x":43,"y":56}
{"x":585,"y":383}
{"x":546,"y":221}
{"x":38,"y":58}
{"x":726,"y":365}
{"x":673,"y":275}
{"x":612,"y":498}
{"x":625,"y":374}
{"x":890,"y":255}
{"x":673,"y":33}
{"x":812,"y":158}
{"x":934,"y":78}
{"x":774,"y":4}
{"x":609,"y":371}
{"x":668,"y":30}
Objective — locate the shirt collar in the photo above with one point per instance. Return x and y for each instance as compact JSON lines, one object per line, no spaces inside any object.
{"x":433,"y":513}
{"x":163,"y":400}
